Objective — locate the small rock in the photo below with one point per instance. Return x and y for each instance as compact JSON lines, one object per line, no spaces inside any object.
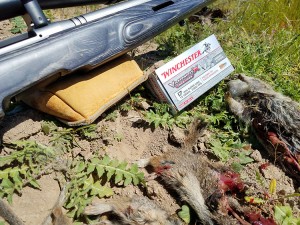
{"x":256,"y":156}
{"x":201,"y":146}
{"x":142,"y":163}
{"x":135,"y":119}
{"x":177,"y":136}
{"x":144,"y":105}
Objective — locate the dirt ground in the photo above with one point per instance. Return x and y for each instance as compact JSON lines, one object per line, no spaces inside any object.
{"x":138,"y":141}
{"x":130,"y":139}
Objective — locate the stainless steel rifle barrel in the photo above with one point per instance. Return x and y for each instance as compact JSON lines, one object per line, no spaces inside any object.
{"x":12,"y":8}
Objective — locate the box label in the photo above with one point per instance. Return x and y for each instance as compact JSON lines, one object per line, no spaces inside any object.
{"x":194,"y":72}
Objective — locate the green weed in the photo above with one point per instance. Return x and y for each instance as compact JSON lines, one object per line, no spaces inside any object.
{"x":177,"y":39}
{"x":284,"y":216}
{"x":64,"y":139}
{"x":85,"y":179}
{"x":184,"y":214}
{"x":267,"y":15}
{"x":162,"y":115}
{"x":92,"y":178}
{"x":88,"y":179}
{"x":112,"y":116}
{"x":27,"y":162}
{"x":258,"y":45}
{"x":132,"y":103}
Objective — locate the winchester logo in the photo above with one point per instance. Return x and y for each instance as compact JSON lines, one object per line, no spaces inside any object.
{"x":185,"y":78}
{"x":205,"y":48}
{"x":181,"y":64}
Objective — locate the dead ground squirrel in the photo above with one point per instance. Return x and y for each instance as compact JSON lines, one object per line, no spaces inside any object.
{"x":190,"y":175}
{"x":139,"y":210}
{"x":196,"y":181}
{"x":273,"y":117}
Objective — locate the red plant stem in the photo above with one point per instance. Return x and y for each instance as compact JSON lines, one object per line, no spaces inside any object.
{"x":243,"y":222}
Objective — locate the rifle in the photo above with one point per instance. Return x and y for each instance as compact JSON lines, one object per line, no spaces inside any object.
{"x":83,"y":42}
{"x":13,"y":8}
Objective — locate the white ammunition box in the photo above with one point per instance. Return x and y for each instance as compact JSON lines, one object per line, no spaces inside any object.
{"x":183,"y":79}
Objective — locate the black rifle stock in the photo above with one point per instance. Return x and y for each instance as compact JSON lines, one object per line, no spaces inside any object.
{"x":85,"y":42}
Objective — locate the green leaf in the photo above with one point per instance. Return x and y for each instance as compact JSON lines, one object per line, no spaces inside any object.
{"x":35,"y":184}
{"x":70,"y":204}
{"x":6,"y":183}
{"x":80,"y":167}
{"x":23,"y":169}
{"x":112,"y":116}
{"x":6,"y":160}
{"x":4,"y":173}
{"x":46,"y":128}
{"x":128,"y":180}
{"x":88,"y":182}
{"x":114,"y":163}
{"x":184,"y":214}
{"x":259,"y":178}
{"x":88,"y":131}
{"x":282,"y":212}
{"x":123,"y":165}
{"x":91,"y":167}
{"x":72,"y":213}
{"x":86,"y":185}
{"x":18,"y":184}
{"x":292,"y":195}
{"x":237,"y":167}
{"x":160,"y":117}
{"x":105,"y":161}
{"x":101,"y":191}
{"x":244,"y":158}
{"x":110,"y":172}
{"x":96,"y":188}
{"x":135,"y":180}
{"x":100,"y":170}
{"x":9,"y":198}
{"x":118,"y":176}
{"x":134,"y":169}
{"x":220,"y":150}
{"x":95,"y":161}
{"x":80,"y":209}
